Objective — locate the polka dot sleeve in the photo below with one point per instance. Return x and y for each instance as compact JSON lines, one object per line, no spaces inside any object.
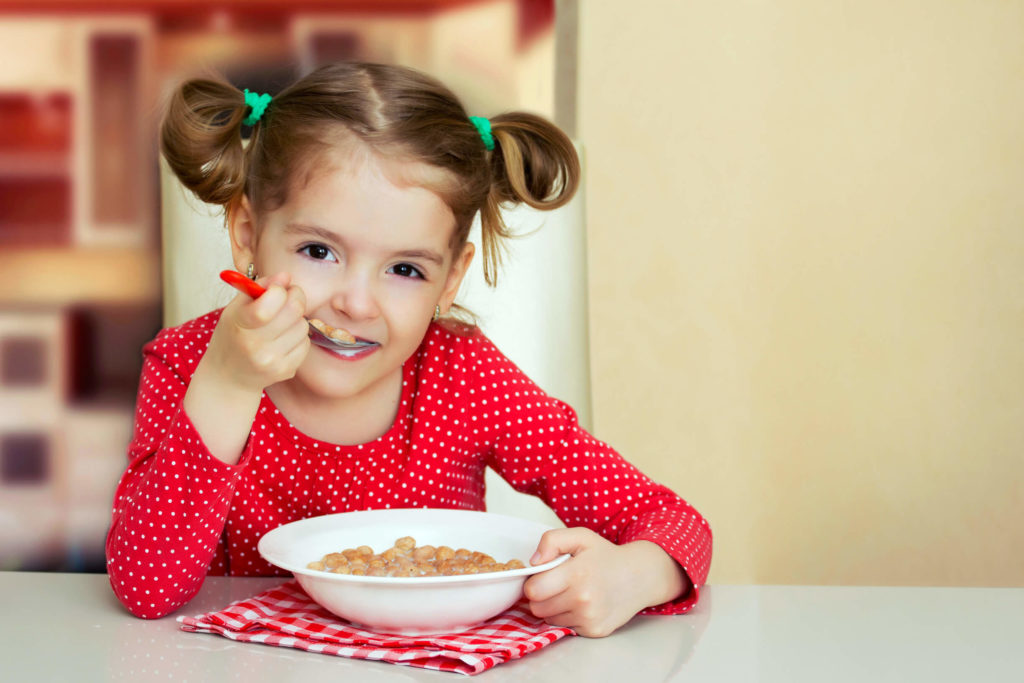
{"x":540,"y":449}
{"x":172,"y":501}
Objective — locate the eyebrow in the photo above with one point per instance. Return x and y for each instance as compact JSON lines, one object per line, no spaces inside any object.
{"x":425,"y":254}
{"x":328,"y":236}
{"x":303,"y":229}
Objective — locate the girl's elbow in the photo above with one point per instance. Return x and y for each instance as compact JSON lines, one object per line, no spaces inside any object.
{"x":140,"y":602}
{"x":146,"y":610}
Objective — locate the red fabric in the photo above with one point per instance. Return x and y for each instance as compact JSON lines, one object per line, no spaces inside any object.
{"x":179,"y":513}
{"x":285,"y":616}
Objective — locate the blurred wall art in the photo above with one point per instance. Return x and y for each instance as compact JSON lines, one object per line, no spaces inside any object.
{"x":82,"y":88}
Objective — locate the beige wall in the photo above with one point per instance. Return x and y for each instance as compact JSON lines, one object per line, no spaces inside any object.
{"x":806,"y":235}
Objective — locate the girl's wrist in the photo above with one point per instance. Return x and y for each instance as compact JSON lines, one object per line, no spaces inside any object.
{"x":222,"y":412}
{"x":667,"y":580}
{"x":223,"y":379}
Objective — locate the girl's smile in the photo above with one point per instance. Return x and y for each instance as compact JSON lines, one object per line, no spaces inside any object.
{"x":348,"y":354}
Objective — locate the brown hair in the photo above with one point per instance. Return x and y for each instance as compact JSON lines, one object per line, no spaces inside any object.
{"x":395,"y":111}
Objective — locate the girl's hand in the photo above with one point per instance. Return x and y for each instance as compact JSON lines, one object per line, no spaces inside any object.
{"x":256,"y":343}
{"x":603,"y":585}
{"x":259,"y":342}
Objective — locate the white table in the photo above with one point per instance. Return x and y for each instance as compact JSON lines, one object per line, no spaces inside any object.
{"x":69,"y":627}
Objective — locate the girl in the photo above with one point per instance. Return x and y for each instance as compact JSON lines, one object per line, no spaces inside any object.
{"x":354,"y":199}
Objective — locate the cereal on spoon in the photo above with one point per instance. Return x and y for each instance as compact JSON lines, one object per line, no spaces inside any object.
{"x":335,"y":333}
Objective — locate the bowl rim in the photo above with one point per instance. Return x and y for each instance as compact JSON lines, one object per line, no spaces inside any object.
{"x":486,"y":577}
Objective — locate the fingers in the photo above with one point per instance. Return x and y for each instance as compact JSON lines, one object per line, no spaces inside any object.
{"x":579,"y":609}
{"x":588,"y":628}
{"x":545,"y":604}
{"x":584,"y":593}
{"x":554,"y":543}
{"x":265,"y":339}
{"x":280,"y":339}
{"x":559,"y":542}
{"x":567,"y":619}
{"x":546,"y":585}
{"x":279,"y":346}
{"x":293,"y":358}
{"x":278,"y":307}
{"x":264,"y":309}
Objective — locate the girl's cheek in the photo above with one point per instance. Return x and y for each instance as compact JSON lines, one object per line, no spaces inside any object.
{"x":410,"y":297}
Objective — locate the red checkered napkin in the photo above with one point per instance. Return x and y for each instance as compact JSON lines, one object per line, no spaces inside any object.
{"x":287,"y":617}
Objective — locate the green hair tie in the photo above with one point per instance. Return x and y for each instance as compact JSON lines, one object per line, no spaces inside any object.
{"x":483,"y":126}
{"x":259,"y":105}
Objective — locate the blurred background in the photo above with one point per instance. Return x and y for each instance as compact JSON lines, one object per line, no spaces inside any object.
{"x":82,"y":86}
{"x":805,"y":251}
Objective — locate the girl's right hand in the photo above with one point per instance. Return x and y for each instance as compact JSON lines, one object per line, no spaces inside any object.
{"x":259,"y":342}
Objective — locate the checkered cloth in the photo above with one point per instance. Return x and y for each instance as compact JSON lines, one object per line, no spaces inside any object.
{"x":287,"y":617}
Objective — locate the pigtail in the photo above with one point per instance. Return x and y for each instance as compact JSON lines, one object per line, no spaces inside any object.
{"x":533,"y":163}
{"x":201,"y":138}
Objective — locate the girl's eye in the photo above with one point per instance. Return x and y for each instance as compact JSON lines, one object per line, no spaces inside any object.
{"x":317,"y":251}
{"x":406,"y":270}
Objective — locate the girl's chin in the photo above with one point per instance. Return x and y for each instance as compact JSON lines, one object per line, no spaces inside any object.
{"x":331,"y":375}
{"x":319,"y":386}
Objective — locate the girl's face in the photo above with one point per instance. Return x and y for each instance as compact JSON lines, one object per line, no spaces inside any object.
{"x":373,"y":256}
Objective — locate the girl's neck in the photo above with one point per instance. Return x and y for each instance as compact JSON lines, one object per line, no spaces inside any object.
{"x":346,"y":420}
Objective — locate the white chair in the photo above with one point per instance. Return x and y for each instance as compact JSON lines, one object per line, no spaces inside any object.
{"x":537,"y":315}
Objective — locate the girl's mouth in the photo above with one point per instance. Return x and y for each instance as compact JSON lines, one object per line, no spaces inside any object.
{"x":363,"y":350}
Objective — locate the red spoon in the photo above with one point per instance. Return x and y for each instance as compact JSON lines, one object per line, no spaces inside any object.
{"x":319,"y":332}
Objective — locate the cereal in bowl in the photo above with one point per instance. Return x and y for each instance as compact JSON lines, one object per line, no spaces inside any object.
{"x":405,"y":559}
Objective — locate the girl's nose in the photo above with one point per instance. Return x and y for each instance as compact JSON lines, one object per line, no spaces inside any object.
{"x":355,"y":298}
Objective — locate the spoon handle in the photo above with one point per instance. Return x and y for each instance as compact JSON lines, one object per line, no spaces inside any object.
{"x":242,"y":283}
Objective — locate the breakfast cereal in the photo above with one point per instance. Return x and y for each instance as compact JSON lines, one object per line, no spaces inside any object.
{"x":406,"y":559}
{"x":335,"y":333}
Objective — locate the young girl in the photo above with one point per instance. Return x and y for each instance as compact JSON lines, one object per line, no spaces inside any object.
{"x":352,"y":203}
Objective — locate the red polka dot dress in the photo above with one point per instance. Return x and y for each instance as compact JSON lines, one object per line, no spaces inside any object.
{"x":179,"y":513}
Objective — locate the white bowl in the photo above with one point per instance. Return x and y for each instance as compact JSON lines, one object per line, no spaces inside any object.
{"x":409,"y":605}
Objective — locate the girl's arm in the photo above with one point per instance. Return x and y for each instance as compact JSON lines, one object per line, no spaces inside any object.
{"x":195,"y":410}
{"x":544,"y":452}
{"x":172,"y":501}
{"x":636,"y":546}
{"x":257,"y":343}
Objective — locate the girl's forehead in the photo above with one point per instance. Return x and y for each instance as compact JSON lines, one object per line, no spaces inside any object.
{"x":368,"y":193}
{"x":395,"y":165}
{"x":345,"y":153}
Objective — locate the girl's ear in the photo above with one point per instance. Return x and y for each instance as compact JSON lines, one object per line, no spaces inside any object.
{"x":460,"y":266}
{"x":242,"y":230}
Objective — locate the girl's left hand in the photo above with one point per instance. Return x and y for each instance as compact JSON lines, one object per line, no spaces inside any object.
{"x":603,"y":585}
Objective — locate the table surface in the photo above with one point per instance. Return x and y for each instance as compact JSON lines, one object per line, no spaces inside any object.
{"x":70,"y":627}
